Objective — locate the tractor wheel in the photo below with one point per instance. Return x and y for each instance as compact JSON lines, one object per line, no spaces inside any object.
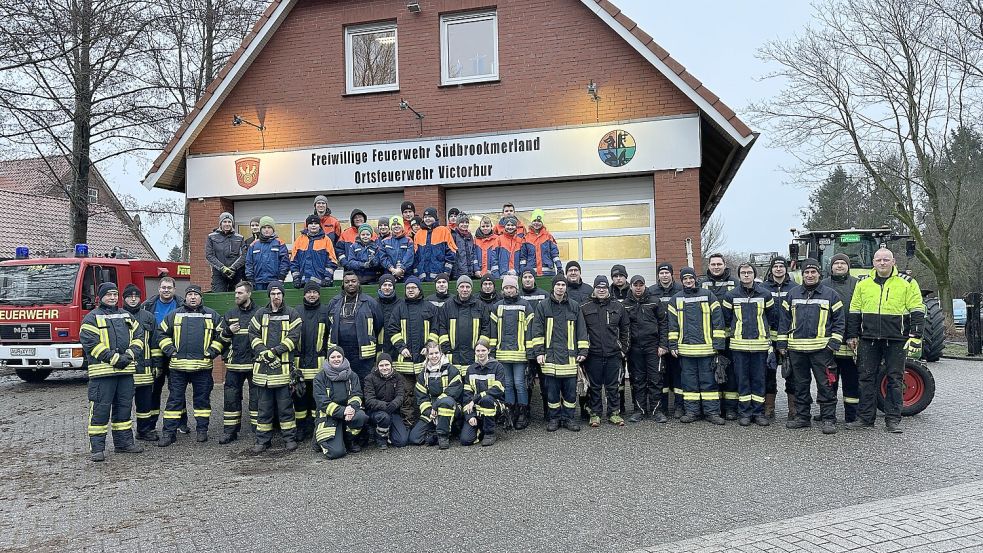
{"x":933,"y":330}
{"x":33,"y":376}
{"x":918,"y":389}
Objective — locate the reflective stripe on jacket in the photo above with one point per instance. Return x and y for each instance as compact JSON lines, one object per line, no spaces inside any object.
{"x":278,"y":331}
{"x":696,"y":325}
{"x":191,"y":338}
{"x":509,"y":320}
{"x":560,"y":334}
{"x":751,"y":317}
{"x":813,"y":319}
{"x":107,"y":333}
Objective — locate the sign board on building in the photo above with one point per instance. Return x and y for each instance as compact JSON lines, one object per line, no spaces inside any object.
{"x":591,"y":151}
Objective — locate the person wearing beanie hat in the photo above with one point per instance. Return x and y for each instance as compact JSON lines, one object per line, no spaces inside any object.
{"x":819,"y":321}
{"x":189,"y":338}
{"x":560,"y":316}
{"x":338,"y":398}
{"x":349,"y":236}
{"x":413,"y":322}
{"x":385,"y":394}
{"x":388,"y":300}
{"x":696,"y":336}
{"x":620,"y":289}
{"x":416,"y":223}
{"x":508,"y":210}
{"x":487,"y":294}
{"x":436,"y":250}
{"x":407,"y":212}
{"x":144,"y":363}
{"x":362,"y":256}
{"x":315,"y":323}
{"x":275,"y":334}
{"x":466,"y":259}
{"x":466,"y":319}
{"x":239,"y":365}
{"x":577,"y":289}
{"x":111,"y":341}
{"x":486,"y":247}
{"x":268,"y":258}
{"x":396,"y":255}
{"x":648,"y":344}
{"x":483,"y":397}
{"x":441,"y":290}
{"x":511,"y":250}
{"x":607,"y":325}
{"x":225,"y":254}
{"x":438,"y":390}
{"x":313,"y":259}
{"x":779,"y":283}
{"x":541,"y":251}
{"x":664,"y":288}
{"x":751,"y":317}
{"x":533,"y":295}
{"x":508,"y":329}
{"x":382,"y":229}
{"x":844,"y":284}
{"x":452,"y":218}
{"x":329,"y":224}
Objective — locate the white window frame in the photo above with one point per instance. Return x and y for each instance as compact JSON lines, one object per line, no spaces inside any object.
{"x":353,"y":30}
{"x":447,"y":20}
{"x":93,"y":195}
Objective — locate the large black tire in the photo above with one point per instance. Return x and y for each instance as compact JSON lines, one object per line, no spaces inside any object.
{"x":33,"y":376}
{"x":918,"y":388}
{"x":933,"y":330}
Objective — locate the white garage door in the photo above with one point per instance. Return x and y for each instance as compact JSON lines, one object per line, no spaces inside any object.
{"x":290,"y":213}
{"x":598,"y":222}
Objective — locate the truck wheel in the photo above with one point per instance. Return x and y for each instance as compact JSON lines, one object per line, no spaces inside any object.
{"x":918,"y":389}
{"x":933,"y":330}
{"x":32,"y":375}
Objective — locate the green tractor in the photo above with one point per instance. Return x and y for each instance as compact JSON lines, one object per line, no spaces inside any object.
{"x":860,"y":245}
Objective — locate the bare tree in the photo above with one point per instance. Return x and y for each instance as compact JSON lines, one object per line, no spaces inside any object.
{"x":865,"y":88}
{"x":712,"y":236}
{"x":70,"y":86}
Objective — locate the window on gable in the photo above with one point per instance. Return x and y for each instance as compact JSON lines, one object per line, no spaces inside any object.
{"x":93,"y":195}
{"x":371,"y":58}
{"x":469,"y":48}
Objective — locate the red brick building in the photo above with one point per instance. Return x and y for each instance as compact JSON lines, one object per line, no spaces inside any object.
{"x":625,"y":175}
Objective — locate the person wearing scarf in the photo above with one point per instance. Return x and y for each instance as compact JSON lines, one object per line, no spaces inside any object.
{"x":338,"y":397}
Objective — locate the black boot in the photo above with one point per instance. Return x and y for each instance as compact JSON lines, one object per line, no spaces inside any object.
{"x":488,"y":440}
{"x":166,"y":439}
{"x":382,"y":437}
{"x":148,"y":436}
{"x":131,"y":448}
{"x":636,"y":416}
{"x":228,"y":438}
{"x":522,"y":420}
{"x":202,"y":436}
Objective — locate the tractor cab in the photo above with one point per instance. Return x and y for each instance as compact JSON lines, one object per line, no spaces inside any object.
{"x":857,"y":244}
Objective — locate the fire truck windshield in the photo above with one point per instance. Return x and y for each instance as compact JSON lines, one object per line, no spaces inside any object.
{"x":38,"y":284}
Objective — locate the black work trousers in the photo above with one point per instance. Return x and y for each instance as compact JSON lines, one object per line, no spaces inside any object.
{"x":603,"y":373}
{"x":232,"y":408}
{"x":275,"y":404}
{"x":645,"y":375}
{"x":870,"y":355}
{"x":820,"y":365}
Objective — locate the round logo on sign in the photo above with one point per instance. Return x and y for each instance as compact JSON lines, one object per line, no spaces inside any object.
{"x":616,"y":148}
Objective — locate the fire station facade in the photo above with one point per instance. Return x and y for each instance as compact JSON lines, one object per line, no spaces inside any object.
{"x":467,"y":104}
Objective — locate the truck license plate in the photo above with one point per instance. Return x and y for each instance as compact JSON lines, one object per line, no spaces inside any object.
{"x":24,"y":352}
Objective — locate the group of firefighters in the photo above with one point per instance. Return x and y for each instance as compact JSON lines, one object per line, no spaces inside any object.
{"x":410,"y":369}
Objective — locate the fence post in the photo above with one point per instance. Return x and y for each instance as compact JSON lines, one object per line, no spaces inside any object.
{"x":974,"y":334}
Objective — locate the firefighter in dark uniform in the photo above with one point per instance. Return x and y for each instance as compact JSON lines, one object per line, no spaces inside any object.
{"x":664,"y":289}
{"x":483,"y":397}
{"x":145,"y":365}
{"x":649,"y":332}
{"x":886,"y":317}
{"x":340,"y":417}
{"x":620,"y":287}
{"x":559,"y":342}
{"x":509,"y":330}
{"x":693,"y":313}
{"x":414,"y":323}
{"x":275,"y":334}
{"x":750,"y":315}
{"x":846,"y":359}
{"x":465,"y":322}
{"x":441,"y":290}
{"x":355,"y":322}
{"x":438,"y":391}
{"x":239,"y":360}
{"x":385,"y":396}
{"x":315,"y":329}
{"x":532,"y":294}
{"x":607,"y":333}
{"x":111,"y":341}
{"x":811,"y":330}
{"x":719,"y":281}
{"x":388,"y":301}
{"x":191,"y":338}
{"x":779,"y":283}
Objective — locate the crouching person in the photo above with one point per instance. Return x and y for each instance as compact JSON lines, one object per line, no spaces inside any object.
{"x":385,"y":392}
{"x":338,"y":397}
{"x":484,"y":390}
{"x":438,"y":391}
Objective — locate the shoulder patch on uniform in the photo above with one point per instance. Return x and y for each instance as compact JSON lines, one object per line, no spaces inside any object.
{"x":905,"y":276}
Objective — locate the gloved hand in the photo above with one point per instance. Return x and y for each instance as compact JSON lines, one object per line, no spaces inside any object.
{"x":914,"y":348}
{"x":123,"y":361}
{"x":297,"y":282}
{"x":228,"y":272}
{"x":170,"y":351}
{"x":315,"y":280}
{"x":268,"y":356}
{"x":720,"y":363}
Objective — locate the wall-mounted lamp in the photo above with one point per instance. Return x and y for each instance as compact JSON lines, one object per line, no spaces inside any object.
{"x":592,"y":92}
{"x":414,"y":6}
{"x":404,"y":105}
{"x":237,"y":120}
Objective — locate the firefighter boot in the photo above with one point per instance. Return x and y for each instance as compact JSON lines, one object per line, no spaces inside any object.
{"x":522,"y":420}
{"x":382,"y":437}
{"x":769,"y":406}
{"x":791,"y":406}
{"x":228,"y":438}
{"x":488,"y":440}
{"x":166,"y":439}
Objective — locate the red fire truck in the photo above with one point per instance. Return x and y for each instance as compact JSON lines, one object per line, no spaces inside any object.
{"x":43,"y":301}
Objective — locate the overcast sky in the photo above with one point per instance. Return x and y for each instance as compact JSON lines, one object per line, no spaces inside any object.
{"x":717,"y":42}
